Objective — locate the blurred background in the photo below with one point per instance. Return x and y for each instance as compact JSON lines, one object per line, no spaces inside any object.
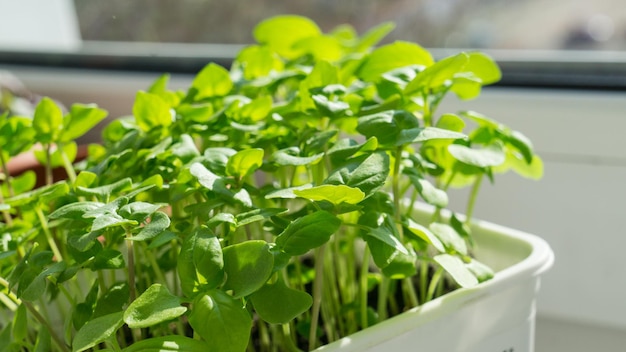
{"x":564,"y":85}
{"x":493,"y":24}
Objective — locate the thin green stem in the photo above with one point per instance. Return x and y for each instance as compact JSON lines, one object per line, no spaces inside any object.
{"x":12,"y":298}
{"x":67,"y":164}
{"x":407,"y":285}
{"x":101,"y":281}
{"x":5,"y":171}
{"x":289,"y":345}
{"x":410,"y":293}
{"x":49,"y":237}
{"x":423,"y":280}
{"x":264,"y":336}
{"x":130,"y":246}
{"x":383,"y":292}
{"x":174,"y":253}
{"x":153,"y":263}
{"x":363,"y":286}
{"x":67,"y":294}
{"x":433,"y":284}
{"x":331,"y":310}
{"x":472,"y":199}
{"x":115,"y":345}
{"x":5,"y":213}
{"x":318,"y":284}
{"x":395,"y":185}
{"x":8,"y":302}
{"x":428,"y":116}
{"x":57,"y":339}
{"x":48,"y":166}
{"x":409,"y":208}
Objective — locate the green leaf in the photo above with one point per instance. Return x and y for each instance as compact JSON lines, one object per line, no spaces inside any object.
{"x":200,"y":262}
{"x":151,"y":111}
{"x":222,"y":321}
{"x":161,"y":239}
{"x":335,"y":194}
{"x":402,"y":266}
{"x":280,"y":33}
{"x":481,"y":119}
{"x":106,"y":191}
{"x":244,"y":162}
{"x":32,"y":285}
{"x":6,"y":344}
{"x":374,"y":35}
{"x":47,"y":121}
{"x":169,"y":343}
{"x":21,"y":184}
{"x":438,"y":74}
{"x":454,"y":266}
{"x":449,"y":237}
{"x":257,"y":61}
{"x":16,"y":134}
{"x":381,"y":252}
{"x":319,"y":141}
{"x":287,"y":193}
{"x":323,"y":74}
{"x":206,"y":178}
{"x":108,"y":259}
{"x":419,"y":135}
{"x":466,"y":86}
{"x":83,"y":311}
{"x":113,"y":300}
{"x":201,"y":113}
{"x":391,"y":56}
{"x":81,"y":119}
{"x":19,"y":329}
{"x":138,"y":211}
{"x":533,"y":171}
{"x":386,"y":126}
{"x":44,"y":341}
{"x":212,"y":81}
{"x":159,"y":222}
{"x":330,"y":108}
{"x":85,"y":179}
{"x":368,"y":174}
{"x":185,"y":149}
{"x":490,"y":156}
{"x":481,"y":271}
{"x":308,"y":232}
{"x":278,"y":304}
{"x":425,"y":234}
{"x":346,"y":148}
{"x":385,"y":235}
{"x":483,"y":67}
{"x":221,"y":218}
{"x":248,"y":265}
{"x":246,"y":218}
{"x":75,"y":211}
{"x":522,"y":144}
{"x":96,"y":331}
{"x":451,"y":122}
{"x":154,"y":306}
{"x":56,"y":159}
{"x":429,"y":193}
{"x":160,"y":84}
{"x":322,"y":47}
{"x":291,"y":157}
{"x":107,"y":220}
{"x":257,"y":110}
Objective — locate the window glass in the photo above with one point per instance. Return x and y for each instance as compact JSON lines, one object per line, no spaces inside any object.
{"x":494,"y":24}
{"x":555,"y":43}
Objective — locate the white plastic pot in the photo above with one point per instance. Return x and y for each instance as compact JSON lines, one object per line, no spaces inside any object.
{"x":495,"y":316}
